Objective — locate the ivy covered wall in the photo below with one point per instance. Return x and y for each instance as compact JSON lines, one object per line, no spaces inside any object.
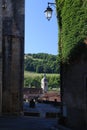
{"x":72,"y":20}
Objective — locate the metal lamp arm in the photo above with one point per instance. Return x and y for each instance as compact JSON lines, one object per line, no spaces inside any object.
{"x":51,"y":4}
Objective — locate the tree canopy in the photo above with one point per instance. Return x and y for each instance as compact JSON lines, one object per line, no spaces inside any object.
{"x":41,"y":63}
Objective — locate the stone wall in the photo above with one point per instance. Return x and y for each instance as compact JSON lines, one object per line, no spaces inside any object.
{"x":74,"y":84}
{"x":13,"y":56}
{"x":0,"y":56}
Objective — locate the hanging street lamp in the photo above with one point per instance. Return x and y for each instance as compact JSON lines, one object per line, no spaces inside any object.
{"x":48,"y":11}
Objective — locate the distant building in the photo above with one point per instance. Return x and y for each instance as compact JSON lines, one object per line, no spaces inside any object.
{"x":44,"y":84}
{"x":30,"y":93}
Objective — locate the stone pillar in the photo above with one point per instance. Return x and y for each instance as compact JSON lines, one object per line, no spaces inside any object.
{"x":13,"y":57}
{"x":0,"y":57}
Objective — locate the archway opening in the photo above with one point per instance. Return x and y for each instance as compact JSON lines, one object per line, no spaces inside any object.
{"x":41,"y":55}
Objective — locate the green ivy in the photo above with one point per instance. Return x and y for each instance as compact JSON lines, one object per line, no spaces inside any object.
{"x":72,"y":20}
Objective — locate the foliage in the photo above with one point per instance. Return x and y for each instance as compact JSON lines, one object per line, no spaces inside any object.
{"x":34,"y":80}
{"x":72,"y":15}
{"x":41,"y":63}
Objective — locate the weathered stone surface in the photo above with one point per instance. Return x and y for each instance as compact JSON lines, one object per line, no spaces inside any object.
{"x":0,"y":56}
{"x":13,"y":56}
{"x":74,"y":83}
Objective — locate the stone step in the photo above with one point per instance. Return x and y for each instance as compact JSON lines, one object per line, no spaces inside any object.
{"x":36,"y":114}
{"x":47,"y":114}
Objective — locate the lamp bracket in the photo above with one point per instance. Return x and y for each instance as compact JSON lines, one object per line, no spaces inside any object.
{"x":51,"y":4}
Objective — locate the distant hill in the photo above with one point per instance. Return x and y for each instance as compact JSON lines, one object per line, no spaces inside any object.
{"x":41,"y":63}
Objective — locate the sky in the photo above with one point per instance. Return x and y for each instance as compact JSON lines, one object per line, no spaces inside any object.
{"x":41,"y":35}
